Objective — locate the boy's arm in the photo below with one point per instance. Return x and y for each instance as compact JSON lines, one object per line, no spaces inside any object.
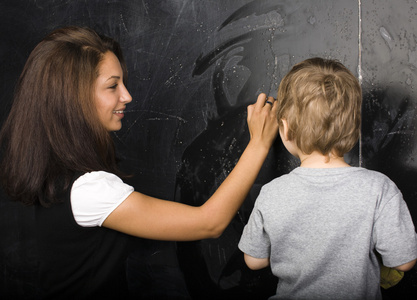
{"x":406,"y":267}
{"x":256,"y":263}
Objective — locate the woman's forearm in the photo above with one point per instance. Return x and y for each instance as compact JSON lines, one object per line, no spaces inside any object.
{"x":224,"y":203}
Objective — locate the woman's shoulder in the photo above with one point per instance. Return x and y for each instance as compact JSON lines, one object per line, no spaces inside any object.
{"x":95,"y":195}
{"x":99,"y":177}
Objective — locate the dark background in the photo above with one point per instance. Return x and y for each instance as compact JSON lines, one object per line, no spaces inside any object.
{"x":193,"y":68}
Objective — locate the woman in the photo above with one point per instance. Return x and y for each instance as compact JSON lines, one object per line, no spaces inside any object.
{"x":58,"y":155}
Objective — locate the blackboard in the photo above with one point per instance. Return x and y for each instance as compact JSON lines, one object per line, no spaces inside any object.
{"x":193,"y":68}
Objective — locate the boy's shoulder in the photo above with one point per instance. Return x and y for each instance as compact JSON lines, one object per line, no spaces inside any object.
{"x":373,"y":175}
{"x":354,"y":171}
{"x":360,"y":175}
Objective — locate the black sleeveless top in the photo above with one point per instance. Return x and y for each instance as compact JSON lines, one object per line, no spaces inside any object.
{"x":79,"y":262}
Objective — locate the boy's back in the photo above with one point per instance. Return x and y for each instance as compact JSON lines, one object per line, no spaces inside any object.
{"x":323,"y":225}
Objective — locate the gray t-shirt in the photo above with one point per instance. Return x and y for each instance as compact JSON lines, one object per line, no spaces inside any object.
{"x":321,"y":227}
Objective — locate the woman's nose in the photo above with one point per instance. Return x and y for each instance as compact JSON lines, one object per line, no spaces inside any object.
{"x":125,"y":97}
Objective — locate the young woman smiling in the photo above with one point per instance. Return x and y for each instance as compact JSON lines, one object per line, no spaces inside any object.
{"x":59,"y":156}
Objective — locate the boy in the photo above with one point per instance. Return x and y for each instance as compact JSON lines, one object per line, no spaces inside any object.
{"x":320,"y":226}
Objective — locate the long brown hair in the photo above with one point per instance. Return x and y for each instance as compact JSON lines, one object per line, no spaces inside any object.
{"x":53,"y":130}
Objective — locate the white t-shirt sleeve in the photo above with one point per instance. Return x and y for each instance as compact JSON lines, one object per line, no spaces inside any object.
{"x":95,"y":195}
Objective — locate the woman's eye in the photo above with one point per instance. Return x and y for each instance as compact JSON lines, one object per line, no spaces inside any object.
{"x":114,"y":86}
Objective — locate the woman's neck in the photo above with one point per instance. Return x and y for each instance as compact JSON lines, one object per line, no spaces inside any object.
{"x":318,"y":160}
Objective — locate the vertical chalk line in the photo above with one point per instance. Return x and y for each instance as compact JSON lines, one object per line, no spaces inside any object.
{"x":360,"y":68}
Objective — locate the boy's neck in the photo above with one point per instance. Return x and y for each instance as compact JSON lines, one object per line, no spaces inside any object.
{"x":318,"y":160}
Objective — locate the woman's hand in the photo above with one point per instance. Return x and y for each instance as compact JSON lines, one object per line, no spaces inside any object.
{"x":262,"y":120}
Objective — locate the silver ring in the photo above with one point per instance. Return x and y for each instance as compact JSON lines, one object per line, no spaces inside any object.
{"x":269,"y":102}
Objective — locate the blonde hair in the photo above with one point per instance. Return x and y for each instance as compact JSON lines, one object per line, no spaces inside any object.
{"x":321,"y":101}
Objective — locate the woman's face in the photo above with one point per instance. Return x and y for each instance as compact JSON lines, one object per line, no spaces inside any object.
{"x":111,"y":95}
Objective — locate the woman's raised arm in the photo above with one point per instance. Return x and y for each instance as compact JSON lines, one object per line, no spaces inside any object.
{"x":148,"y":217}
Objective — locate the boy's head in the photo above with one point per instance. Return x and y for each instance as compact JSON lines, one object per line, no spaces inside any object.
{"x":320,"y":100}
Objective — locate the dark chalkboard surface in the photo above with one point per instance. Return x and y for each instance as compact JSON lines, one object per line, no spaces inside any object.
{"x":193,"y":68}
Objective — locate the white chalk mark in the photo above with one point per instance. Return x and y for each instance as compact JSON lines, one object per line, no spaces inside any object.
{"x":123,"y":22}
{"x":145,"y":6}
{"x":386,"y":36}
{"x":360,"y":68}
{"x":360,"y":41}
{"x":167,"y":116}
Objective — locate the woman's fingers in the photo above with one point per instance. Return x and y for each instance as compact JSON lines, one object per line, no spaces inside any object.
{"x":262,"y":118}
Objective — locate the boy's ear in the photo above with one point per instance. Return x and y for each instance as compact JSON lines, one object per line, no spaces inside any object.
{"x":285,"y":129}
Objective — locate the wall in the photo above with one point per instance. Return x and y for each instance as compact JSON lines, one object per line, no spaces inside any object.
{"x":193,"y":67}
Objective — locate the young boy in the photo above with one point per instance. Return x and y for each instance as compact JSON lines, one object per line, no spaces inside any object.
{"x":325,"y":226}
